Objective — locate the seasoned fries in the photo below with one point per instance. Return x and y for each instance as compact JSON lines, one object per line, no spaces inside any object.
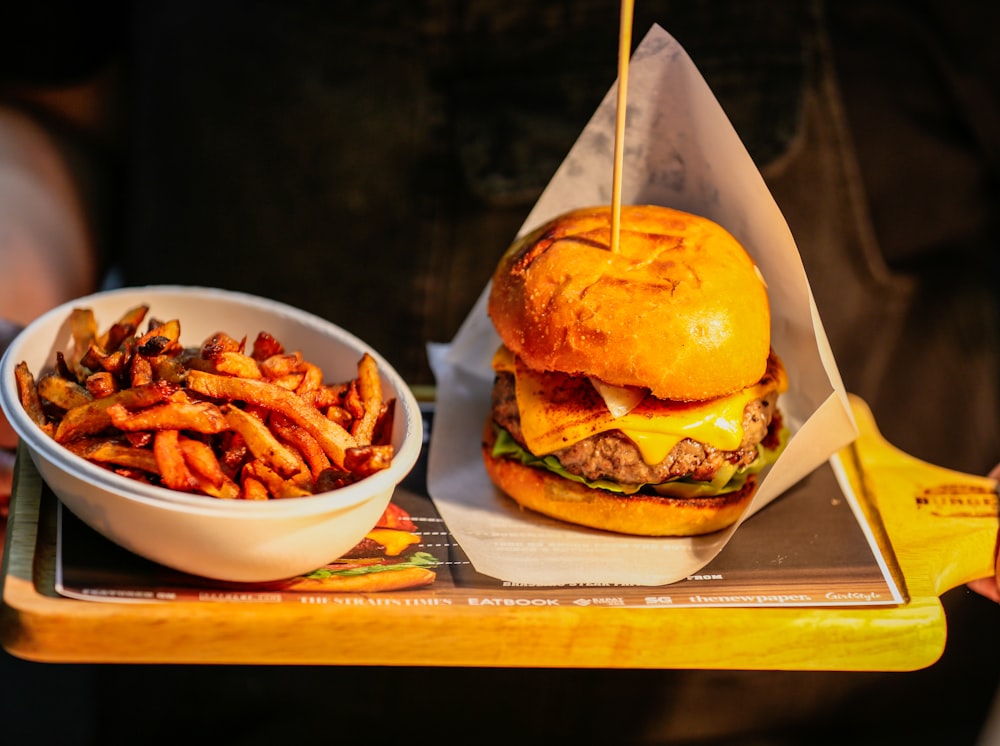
{"x":217,"y":420}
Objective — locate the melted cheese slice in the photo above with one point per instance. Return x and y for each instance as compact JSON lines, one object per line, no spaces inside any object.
{"x":558,"y":410}
{"x":394,"y":540}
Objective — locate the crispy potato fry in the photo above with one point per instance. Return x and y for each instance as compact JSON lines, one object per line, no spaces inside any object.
{"x":162,"y":339}
{"x":206,"y":469}
{"x":254,"y":489}
{"x":101,"y":384}
{"x":368,"y":459}
{"x":124,"y":328}
{"x":109,"y":452}
{"x":333,"y":479}
{"x":291,"y":382}
{"x":333,"y":438}
{"x":232,"y":451}
{"x":93,"y":416}
{"x":201,"y":417}
{"x":83,"y":329}
{"x":62,"y":392}
{"x":170,"y":462}
{"x":261,"y":441}
{"x":209,"y":419}
{"x":201,"y":459}
{"x":312,"y":379}
{"x":228,"y":490}
{"x":370,"y":390}
{"x":383,"y":427}
{"x":114,"y":361}
{"x":140,"y":370}
{"x":328,"y":395}
{"x":171,"y":368}
{"x":220,"y":342}
{"x":265,"y":346}
{"x":352,"y":402}
{"x":279,"y":366}
{"x":306,"y":444}
{"x":341,"y":416}
{"x":237,"y":364}
{"x":27,"y":391}
{"x":275,"y":483}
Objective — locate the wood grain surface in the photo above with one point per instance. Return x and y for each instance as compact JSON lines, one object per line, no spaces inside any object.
{"x":939,"y":525}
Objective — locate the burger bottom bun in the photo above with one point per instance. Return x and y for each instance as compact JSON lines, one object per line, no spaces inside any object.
{"x":387,"y":580}
{"x":643,"y":515}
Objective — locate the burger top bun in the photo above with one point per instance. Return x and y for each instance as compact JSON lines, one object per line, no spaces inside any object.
{"x":680,"y":308}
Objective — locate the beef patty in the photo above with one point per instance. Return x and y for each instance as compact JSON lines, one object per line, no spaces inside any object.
{"x":613,"y":455}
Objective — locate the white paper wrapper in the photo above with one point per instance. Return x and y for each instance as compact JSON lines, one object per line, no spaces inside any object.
{"x":681,"y":151}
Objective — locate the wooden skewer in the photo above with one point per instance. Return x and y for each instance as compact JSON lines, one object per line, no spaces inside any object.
{"x":624,"y":51}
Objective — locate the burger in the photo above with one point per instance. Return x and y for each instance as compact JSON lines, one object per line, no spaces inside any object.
{"x":381,"y":561}
{"x":635,"y":386}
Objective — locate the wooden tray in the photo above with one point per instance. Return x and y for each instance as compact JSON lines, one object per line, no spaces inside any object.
{"x":937,"y":526}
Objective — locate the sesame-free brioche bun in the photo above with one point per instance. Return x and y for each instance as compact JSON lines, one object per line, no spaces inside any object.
{"x":680,"y":308}
{"x":642,"y":515}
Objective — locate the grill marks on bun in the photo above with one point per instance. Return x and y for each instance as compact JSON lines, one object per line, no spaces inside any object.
{"x":561,"y":300}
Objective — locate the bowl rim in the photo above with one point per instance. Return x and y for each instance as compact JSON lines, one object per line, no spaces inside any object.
{"x":40,"y":445}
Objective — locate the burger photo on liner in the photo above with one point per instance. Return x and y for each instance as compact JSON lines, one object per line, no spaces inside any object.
{"x":381,"y":561}
{"x":635,"y":390}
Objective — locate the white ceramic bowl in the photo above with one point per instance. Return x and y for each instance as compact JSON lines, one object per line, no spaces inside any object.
{"x":233,"y":540}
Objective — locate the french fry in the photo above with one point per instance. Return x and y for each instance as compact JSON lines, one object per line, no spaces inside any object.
{"x":162,"y":339}
{"x":27,"y":391}
{"x":170,"y":462}
{"x":233,"y":451}
{"x":237,"y":364}
{"x":352,"y":402}
{"x":261,"y":441}
{"x":370,"y":390}
{"x":228,"y":490}
{"x":206,"y":469}
{"x":114,"y":361}
{"x":64,"y":369}
{"x":200,"y":417}
{"x":124,"y":328}
{"x":210,"y":419}
{"x":93,"y":416}
{"x":220,"y":342}
{"x":83,"y":330}
{"x":341,"y":416}
{"x":101,"y":384}
{"x":201,"y":459}
{"x":333,"y":479}
{"x":62,"y":392}
{"x":276,"y":485}
{"x":279,"y":366}
{"x":328,"y":395}
{"x":140,"y":370}
{"x":312,"y":379}
{"x":333,"y":438}
{"x":171,"y":368}
{"x":368,"y":459}
{"x":305,"y":443}
{"x":383,"y":426}
{"x":109,"y":452}
{"x":291,"y":382}
{"x":265,"y":346}
{"x":254,"y":489}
